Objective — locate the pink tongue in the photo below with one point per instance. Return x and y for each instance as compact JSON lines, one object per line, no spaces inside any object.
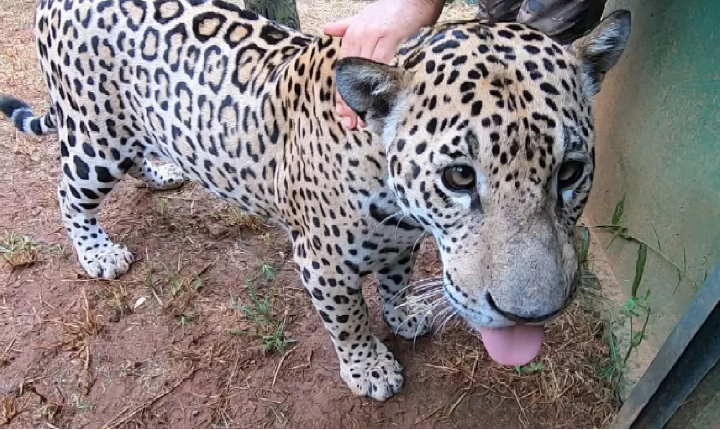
{"x":513,"y":346}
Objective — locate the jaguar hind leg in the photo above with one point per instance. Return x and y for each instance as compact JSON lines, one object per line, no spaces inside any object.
{"x":89,"y":174}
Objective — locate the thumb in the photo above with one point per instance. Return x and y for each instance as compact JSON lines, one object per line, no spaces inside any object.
{"x":337,"y":28}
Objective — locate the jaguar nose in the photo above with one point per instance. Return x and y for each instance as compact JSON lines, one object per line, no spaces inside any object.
{"x":519,"y":318}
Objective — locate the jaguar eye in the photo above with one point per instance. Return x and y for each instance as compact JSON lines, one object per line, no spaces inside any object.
{"x":459,"y":178}
{"x":569,"y":173}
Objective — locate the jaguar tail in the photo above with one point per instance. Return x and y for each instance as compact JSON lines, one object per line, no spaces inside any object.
{"x":24,"y":119}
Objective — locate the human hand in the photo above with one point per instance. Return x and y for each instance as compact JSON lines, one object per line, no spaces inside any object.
{"x":376,"y":33}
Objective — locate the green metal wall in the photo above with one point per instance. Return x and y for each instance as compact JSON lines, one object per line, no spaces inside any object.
{"x":702,"y":408}
{"x":658,"y":143}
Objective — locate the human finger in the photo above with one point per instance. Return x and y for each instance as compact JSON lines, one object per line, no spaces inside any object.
{"x":385,"y":50}
{"x":338,"y":28}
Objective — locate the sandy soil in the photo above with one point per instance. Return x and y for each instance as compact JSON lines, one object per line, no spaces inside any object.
{"x":170,"y":344}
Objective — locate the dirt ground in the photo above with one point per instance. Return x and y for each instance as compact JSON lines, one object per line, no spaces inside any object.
{"x":171,"y":345}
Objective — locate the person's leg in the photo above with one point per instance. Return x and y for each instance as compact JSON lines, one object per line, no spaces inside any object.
{"x":498,"y":10}
{"x":564,"y":20}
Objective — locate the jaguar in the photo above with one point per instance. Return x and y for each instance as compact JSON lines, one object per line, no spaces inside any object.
{"x":479,"y":135}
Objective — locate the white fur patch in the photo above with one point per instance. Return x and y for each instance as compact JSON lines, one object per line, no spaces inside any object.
{"x":482,"y":182}
{"x":18,"y":111}
{"x":393,"y":119}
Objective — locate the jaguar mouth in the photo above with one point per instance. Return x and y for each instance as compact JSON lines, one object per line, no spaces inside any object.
{"x":514,"y":345}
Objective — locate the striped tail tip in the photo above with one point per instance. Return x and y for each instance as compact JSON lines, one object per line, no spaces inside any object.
{"x":22,"y":116}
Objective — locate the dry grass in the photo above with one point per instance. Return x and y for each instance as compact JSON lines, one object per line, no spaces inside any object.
{"x":130,"y":411}
{"x":78,"y":330}
{"x":234,"y":217}
{"x":18,"y":251}
{"x":115,"y":297}
{"x":243,"y":220}
{"x":184,"y":290}
{"x":9,"y":409}
{"x":562,"y":385}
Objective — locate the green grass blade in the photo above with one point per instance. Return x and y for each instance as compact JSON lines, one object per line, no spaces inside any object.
{"x":639,"y":268}
{"x":619,"y":232}
{"x":618,"y":213}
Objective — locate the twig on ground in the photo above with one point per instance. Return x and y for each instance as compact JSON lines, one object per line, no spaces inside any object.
{"x":277,"y":370}
{"x":146,"y":405}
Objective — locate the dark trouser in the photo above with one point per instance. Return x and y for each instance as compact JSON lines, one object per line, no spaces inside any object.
{"x":564,"y":20}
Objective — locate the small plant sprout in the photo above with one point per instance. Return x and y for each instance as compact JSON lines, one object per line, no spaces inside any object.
{"x":81,"y":405}
{"x":534,"y":367}
{"x":163,"y":207}
{"x":18,"y":251}
{"x":635,"y":311}
{"x":269,"y":271}
{"x":265,"y":326}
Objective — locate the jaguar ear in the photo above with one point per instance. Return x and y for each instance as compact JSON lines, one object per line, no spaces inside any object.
{"x":376,"y":92}
{"x":600,"y":50}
